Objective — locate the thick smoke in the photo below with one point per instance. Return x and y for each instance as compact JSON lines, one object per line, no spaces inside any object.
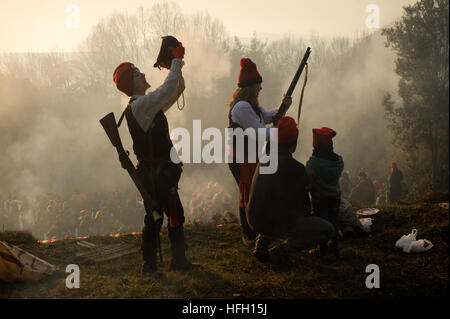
{"x":346,"y":94}
{"x":51,"y":105}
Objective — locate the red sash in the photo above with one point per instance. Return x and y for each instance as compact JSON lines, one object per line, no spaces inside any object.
{"x":245,"y":180}
{"x":149,"y":159}
{"x":174,"y":221}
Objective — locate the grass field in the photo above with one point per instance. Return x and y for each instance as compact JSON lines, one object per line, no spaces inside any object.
{"x":229,"y":271}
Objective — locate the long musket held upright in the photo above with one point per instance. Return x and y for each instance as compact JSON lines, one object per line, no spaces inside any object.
{"x":291,"y":88}
{"x":110,"y":126}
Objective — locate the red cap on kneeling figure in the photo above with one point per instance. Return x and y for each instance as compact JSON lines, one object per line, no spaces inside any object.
{"x":287,"y":130}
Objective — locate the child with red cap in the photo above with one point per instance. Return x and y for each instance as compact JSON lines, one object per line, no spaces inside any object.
{"x":149,"y":130}
{"x":246,"y":112}
{"x":280,"y":207}
{"x":324,"y":168}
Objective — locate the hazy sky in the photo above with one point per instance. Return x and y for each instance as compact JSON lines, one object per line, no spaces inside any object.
{"x":41,"y":25}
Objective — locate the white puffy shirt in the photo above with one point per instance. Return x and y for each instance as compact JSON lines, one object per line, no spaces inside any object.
{"x":145,"y":107}
{"x":246,"y":117}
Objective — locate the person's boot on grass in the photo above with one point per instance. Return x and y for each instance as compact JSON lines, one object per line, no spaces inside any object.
{"x":149,"y":249}
{"x":178,"y":246}
{"x":261,"y":251}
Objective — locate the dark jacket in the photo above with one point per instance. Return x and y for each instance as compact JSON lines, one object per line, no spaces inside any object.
{"x":395,"y":185}
{"x":279,"y":199}
{"x":364,"y":192}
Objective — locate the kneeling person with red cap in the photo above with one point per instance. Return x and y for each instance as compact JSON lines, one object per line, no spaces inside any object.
{"x":280,"y":207}
{"x":149,"y":130}
{"x":324,"y":168}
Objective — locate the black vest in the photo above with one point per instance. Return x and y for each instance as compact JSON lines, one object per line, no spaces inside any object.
{"x":153,"y":144}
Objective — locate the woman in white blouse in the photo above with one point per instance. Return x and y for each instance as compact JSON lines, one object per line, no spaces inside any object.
{"x":245,"y":112}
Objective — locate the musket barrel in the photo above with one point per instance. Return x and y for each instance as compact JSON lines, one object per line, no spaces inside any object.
{"x":282,"y":108}
{"x":299,"y":72}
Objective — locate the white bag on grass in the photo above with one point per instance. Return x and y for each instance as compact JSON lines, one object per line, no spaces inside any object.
{"x":406,"y":240}
{"x":418,"y":246}
{"x":366,"y":223}
{"x":409,"y":244}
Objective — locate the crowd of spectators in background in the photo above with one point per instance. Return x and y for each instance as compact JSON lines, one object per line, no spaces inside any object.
{"x":120,"y":211}
{"x":55,"y":216}
{"x":366,"y":191}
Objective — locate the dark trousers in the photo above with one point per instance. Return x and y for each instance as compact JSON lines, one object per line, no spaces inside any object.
{"x":307,"y":232}
{"x":328,"y":209}
{"x":167,"y":202}
{"x":394,"y":194}
{"x":235,"y":170}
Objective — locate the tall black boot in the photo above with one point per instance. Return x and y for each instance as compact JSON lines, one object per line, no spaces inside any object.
{"x":178,"y":248}
{"x":248,"y":235}
{"x":149,"y":248}
{"x":150,"y":241}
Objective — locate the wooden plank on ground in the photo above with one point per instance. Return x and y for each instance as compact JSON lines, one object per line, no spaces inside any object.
{"x":108,"y":252}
